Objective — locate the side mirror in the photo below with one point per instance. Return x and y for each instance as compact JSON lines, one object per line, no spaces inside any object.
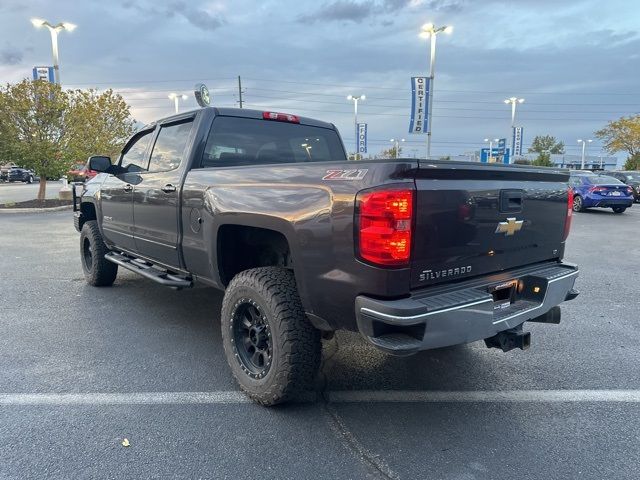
{"x":99,"y":163}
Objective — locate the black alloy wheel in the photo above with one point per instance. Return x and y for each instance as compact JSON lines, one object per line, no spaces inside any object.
{"x":251,"y":338}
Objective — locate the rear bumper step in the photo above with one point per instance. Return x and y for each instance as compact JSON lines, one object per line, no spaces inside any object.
{"x":150,"y":271}
{"x":468,"y":312}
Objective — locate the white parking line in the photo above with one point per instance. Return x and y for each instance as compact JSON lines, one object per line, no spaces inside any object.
{"x":356,"y":396}
{"x":533,"y":396}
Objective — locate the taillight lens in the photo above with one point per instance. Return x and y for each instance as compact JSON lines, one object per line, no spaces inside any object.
{"x":567,"y":221}
{"x":629,"y":191}
{"x":598,"y":189}
{"x":384,"y":226}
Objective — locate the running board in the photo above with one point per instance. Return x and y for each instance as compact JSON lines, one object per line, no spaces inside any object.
{"x":150,"y":271}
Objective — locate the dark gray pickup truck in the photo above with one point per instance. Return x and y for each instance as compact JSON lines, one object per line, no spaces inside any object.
{"x":413,"y":254}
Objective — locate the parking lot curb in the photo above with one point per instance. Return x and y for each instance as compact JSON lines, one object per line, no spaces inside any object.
{"x":35,"y":210}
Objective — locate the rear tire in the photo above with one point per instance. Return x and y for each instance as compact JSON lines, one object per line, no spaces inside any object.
{"x":578,"y":204}
{"x":618,"y":209}
{"x":272,"y":348}
{"x":98,"y":271}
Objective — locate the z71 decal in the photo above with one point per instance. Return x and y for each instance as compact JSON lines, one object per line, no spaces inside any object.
{"x":345,"y":174}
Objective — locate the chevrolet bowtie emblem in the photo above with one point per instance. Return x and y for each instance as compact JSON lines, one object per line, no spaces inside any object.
{"x":509,"y":227}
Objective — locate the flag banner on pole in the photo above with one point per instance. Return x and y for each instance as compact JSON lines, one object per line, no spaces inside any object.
{"x":517,"y":141}
{"x":419,"y":104}
{"x":502,"y":146}
{"x":43,"y":73}
{"x":362,"y":137}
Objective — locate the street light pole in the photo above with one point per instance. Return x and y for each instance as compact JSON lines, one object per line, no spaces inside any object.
{"x":355,"y":118}
{"x":396,"y":144}
{"x":429,"y":30}
{"x":584,"y":147}
{"x":513,"y":101}
{"x":490,"y":154}
{"x":54,"y":30}
{"x":175,"y":97}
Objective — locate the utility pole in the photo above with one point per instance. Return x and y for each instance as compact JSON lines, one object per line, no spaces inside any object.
{"x":239,"y":91}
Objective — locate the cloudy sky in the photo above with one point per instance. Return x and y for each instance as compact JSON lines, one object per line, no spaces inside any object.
{"x":576,"y":62}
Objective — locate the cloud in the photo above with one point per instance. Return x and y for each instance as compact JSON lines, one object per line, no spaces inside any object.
{"x":10,"y":56}
{"x":340,"y":10}
{"x":197,"y":17}
{"x":353,"y":11}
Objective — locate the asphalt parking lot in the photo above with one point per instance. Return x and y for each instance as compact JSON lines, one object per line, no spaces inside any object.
{"x":84,"y":368}
{"x":21,"y":192}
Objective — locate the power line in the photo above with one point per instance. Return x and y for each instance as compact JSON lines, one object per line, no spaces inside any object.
{"x":350,"y":86}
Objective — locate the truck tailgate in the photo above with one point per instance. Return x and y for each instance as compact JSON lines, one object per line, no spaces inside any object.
{"x":475,"y":219}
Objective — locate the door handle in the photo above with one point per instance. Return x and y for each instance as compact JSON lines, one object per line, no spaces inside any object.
{"x":128,"y":187}
{"x":168,"y":188}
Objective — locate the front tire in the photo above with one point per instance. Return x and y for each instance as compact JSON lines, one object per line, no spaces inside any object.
{"x":578,"y":204}
{"x":272,"y":348}
{"x":618,"y":209}
{"x":98,"y":271}
{"x":29,"y":179}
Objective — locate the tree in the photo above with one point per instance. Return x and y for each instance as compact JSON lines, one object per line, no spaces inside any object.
{"x":47,"y":129}
{"x":622,"y":135}
{"x":543,"y":160}
{"x":546,"y":144}
{"x":633,"y":162}
{"x":32,"y":126}
{"x":98,"y":124}
{"x":391,"y":152}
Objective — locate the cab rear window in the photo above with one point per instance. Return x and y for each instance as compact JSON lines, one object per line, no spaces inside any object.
{"x":236,"y":141}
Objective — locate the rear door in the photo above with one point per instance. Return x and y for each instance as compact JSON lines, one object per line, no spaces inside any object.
{"x":156,"y":196}
{"x":478,"y":220}
{"x":116,"y":193}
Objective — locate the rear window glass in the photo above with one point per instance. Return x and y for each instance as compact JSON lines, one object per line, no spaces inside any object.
{"x":601,"y":180}
{"x":249,"y":141}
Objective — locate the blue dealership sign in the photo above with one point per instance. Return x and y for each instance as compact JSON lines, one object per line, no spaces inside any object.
{"x":502,"y":145}
{"x":419,"y":104}
{"x":43,"y":73}
{"x":496,"y":156}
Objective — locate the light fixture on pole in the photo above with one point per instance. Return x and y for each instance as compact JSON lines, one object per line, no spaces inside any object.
{"x":54,"y":30}
{"x":490,"y":153}
{"x":584,"y":147}
{"x":429,"y":30}
{"x":176,"y":97}
{"x":355,"y":117}
{"x":396,"y":145}
{"x":513,"y":101}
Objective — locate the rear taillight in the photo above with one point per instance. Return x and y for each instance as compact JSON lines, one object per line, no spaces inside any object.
{"x":598,"y":189}
{"x":280,"y":117}
{"x":384,"y":220}
{"x":569,"y":217}
{"x":629,"y":191}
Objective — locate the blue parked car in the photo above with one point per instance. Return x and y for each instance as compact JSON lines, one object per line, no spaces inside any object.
{"x":591,"y":190}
